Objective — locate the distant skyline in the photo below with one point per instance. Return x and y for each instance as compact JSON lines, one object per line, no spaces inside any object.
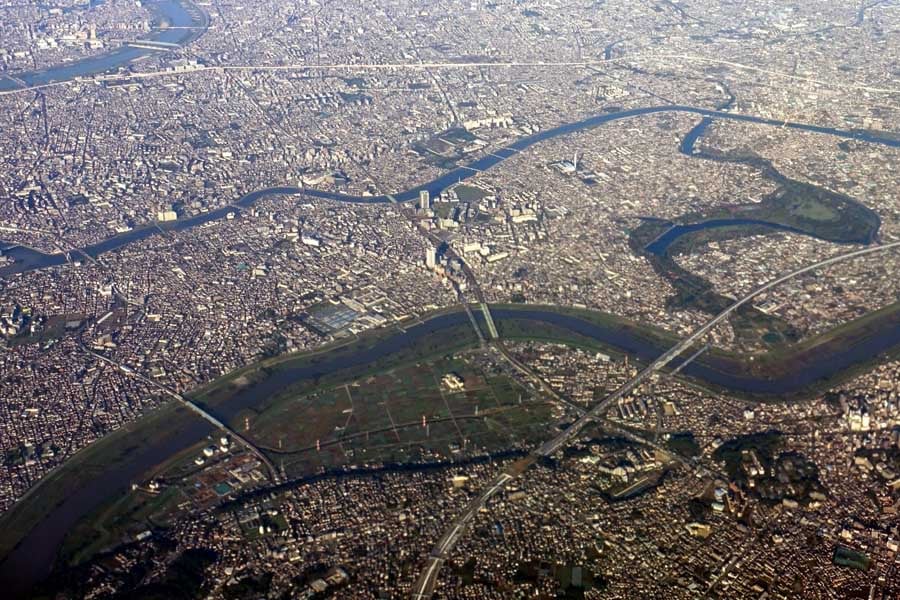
{"x":449,"y":299}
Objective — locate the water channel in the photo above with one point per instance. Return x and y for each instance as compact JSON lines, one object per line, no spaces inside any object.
{"x":32,"y":559}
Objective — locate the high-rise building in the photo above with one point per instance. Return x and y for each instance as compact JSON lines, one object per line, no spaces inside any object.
{"x":424,"y":200}
{"x":430,"y":257}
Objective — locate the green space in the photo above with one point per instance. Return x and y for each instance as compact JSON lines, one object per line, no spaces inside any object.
{"x":764,"y":445}
{"x":807,"y":208}
{"x":814,"y":210}
{"x":846,"y":557}
{"x":81,"y":469}
{"x":469,"y":193}
{"x":444,"y":209}
{"x":379,"y":418}
{"x":183,"y":578}
{"x":54,"y":329}
{"x":317,"y":404}
{"x":776,"y":475}
{"x":684,"y":444}
{"x":446,"y":147}
{"x":572,"y":580}
{"x":116,"y":523}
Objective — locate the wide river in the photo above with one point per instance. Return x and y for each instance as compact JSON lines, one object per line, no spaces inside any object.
{"x":32,"y":559}
{"x":185,"y":23}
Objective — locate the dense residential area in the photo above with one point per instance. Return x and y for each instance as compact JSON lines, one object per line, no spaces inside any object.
{"x":449,"y":298}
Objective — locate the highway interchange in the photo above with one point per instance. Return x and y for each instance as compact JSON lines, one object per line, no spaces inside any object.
{"x":425,"y":585}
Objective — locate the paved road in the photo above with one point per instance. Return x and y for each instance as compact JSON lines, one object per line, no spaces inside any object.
{"x":417,"y":66}
{"x":424,"y":587}
{"x":273,"y":472}
{"x":553,"y":445}
{"x":657,"y":59}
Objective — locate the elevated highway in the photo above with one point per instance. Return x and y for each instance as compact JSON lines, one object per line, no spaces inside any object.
{"x":194,"y":408}
{"x":425,"y":585}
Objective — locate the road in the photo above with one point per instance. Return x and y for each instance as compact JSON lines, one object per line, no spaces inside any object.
{"x":666,"y":60}
{"x":492,"y":329}
{"x":657,"y":59}
{"x":424,"y":587}
{"x":553,"y":445}
{"x":418,"y":66}
{"x":273,"y":472}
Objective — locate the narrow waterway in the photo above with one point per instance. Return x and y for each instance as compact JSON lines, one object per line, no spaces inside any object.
{"x":31,"y":561}
{"x":29,"y":260}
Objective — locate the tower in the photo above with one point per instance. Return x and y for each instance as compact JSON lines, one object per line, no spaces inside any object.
{"x":424,"y":200}
{"x":430,"y":257}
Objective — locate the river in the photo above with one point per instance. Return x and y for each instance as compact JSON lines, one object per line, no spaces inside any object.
{"x":661,"y":244}
{"x":186,"y":24}
{"x":31,"y":561}
{"x":27,"y":259}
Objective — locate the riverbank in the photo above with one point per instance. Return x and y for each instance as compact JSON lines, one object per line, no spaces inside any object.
{"x":31,"y":532}
{"x":184,"y":23}
{"x":30,"y":260}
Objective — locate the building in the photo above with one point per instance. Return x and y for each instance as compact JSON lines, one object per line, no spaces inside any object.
{"x":166,"y":216}
{"x":424,"y":200}
{"x":453,"y":382}
{"x":430,"y":257}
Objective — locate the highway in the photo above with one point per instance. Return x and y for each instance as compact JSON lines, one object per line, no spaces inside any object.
{"x":853,"y":85}
{"x":551,"y":446}
{"x":492,"y":329}
{"x":417,"y":66}
{"x":273,"y":472}
{"x":424,"y":587}
{"x":662,"y":60}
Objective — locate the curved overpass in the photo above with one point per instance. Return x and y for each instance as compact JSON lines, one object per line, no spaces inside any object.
{"x":424,"y":587}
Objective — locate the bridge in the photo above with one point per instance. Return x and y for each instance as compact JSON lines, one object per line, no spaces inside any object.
{"x":424,"y":587}
{"x":194,"y":408}
{"x":148,"y":44}
{"x":492,"y":328}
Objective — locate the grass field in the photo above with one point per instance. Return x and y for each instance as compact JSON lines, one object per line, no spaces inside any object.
{"x":401,"y":386}
{"x":115,"y":523}
{"x":376,"y":418}
{"x":105,"y":454}
{"x":468,"y":193}
{"x":379,"y":418}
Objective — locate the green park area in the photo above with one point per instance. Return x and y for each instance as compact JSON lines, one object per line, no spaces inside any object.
{"x":363,"y":413}
{"x":469,"y":193}
{"x":796,"y":206}
{"x":400,"y":415}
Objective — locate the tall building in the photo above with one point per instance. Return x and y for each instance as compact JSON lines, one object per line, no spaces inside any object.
{"x":424,"y":200}
{"x":430,"y":257}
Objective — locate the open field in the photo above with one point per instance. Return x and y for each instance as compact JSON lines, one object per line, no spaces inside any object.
{"x":376,"y":419}
{"x":380,"y":418}
{"x":376,"y":387}
{"x":81,"y":468}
